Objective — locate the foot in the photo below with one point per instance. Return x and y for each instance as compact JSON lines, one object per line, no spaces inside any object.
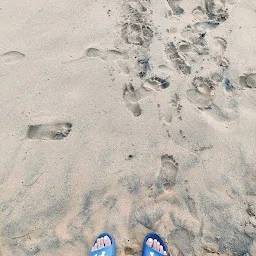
{"x":101,"y":243}
{"x":154,"y":244}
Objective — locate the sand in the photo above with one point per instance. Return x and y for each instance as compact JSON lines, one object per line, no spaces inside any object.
{"x":128,"y":116}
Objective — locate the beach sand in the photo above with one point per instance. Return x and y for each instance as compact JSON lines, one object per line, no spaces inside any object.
{"x":128,"y":116}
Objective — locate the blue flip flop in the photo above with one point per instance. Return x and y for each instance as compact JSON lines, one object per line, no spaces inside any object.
{"x":148,"y":251}
{"x":106,"y":251}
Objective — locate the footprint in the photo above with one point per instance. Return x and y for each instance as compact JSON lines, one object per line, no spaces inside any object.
{"x":93,"y":53}
{"x":203,"y":93}
{"x":132,"y":97}
{"x":165,"y":69}
{"x":223,"y":62}
{"x":165,"y":115}
{"x":199,"y":13}
{"x":181,"y":64}
{"x":156,"y":83}
{"x":136,"y":29}
{"x":137,"y":34}
{"x":175,"y":8}
{"x":12,"y":57}
{"x":242,"y":82}
{"x":216,"y":11}
{"x":184,"y":46}
{"x":248,"y":80}
{"x":56,"y":131}
{"x":219,"y":45}
{"x":196,"y":35}
{"x":129,"y":93}
{"x":251,"y":80}
{"x":168,"y":174}
{"x":134,"y":107}
{"x":197,"y":38}
{"x":132,"y":33}
{"x":191,"y":50}
{"x":131,"y":101}
{"x":109,"y":55}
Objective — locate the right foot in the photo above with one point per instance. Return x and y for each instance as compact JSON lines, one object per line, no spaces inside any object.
{"x":154,"y":244}
{"x":101,"y":243}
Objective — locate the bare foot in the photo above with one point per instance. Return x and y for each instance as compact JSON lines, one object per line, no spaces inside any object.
{"x":101,"y":243}
{"x":156,"y":246}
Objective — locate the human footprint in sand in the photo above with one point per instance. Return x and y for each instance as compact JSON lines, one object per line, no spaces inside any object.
{"x":153,"y":245}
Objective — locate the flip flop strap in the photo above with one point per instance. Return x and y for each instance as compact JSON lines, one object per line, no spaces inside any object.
{"x":148,"y":251}
{"x":106,"y":251}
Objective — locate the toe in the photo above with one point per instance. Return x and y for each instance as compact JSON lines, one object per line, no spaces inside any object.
{"x":161,"y":250}
{"x":107,"y":241}
{"x":150,"y":242}
{"x":155,"y":244}
{"x":98,"y":243}
{"x":165,"y":253}
{"x":101,"y":242}
{"x":93,"y":249}
{"x":158,"y":246}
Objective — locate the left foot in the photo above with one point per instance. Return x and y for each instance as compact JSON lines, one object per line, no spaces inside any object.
{"x":101,"y":243}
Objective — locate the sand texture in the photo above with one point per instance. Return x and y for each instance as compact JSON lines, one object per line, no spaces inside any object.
{"x":128,"y":116}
